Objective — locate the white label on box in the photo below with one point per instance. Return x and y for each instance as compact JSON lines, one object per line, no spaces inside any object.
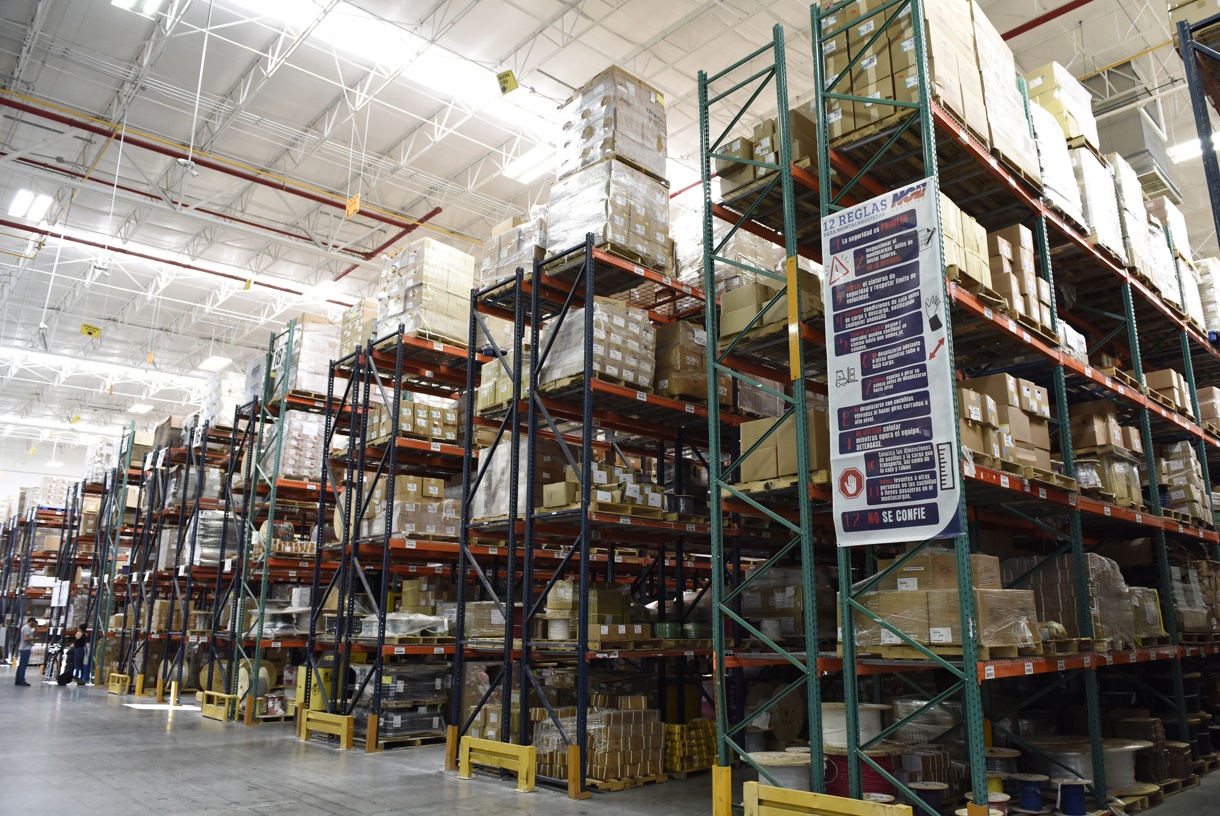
{"x":834,"y":116}
{"x":599,"y":476}
{"x":976,"y":413}
{"x":908,"y":583}
{"x":496,"y":617}
{"x":868,"y":62}
{"x":941,"y":634}
{"x":889,"y":638}
{"x":603,"y":495}
{"x":866,"y":28}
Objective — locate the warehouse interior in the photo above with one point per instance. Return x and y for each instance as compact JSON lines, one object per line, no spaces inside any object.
{"x":747,"y":405}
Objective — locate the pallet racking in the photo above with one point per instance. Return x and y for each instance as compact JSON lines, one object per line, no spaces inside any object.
{"x":1196,"y":44}
{"x":112,"y":530}
{"x":902,"y":150}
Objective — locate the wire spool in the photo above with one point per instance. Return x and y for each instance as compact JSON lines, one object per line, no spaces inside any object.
{"x":834,"y":722}
{"x":931,"y":794}
{"x":995,"y":800}
{"x":871,"y":781}
{"x":997,"y":782}
{"x":558,"y":629}
{"x":771,"y":628}
{"x":1002,"y":760}
{"x":1163,"y":682}
{"x":1192,"y":729}
{"x":1075,"y":753}
{"x":756,"y":740}
{"x":266,"y":677}
{"x":1204,"y":733}
{"x":1069,"y":800}
{"x":1029,"y":795}
{"x":879,"y":798}
{"x":189,"y":678}
{"x":787,"y":716}
{"x":789,"y":770}
{"x":667,"y":630}
{"x":697,"y":630}
{"x":219,"y":671}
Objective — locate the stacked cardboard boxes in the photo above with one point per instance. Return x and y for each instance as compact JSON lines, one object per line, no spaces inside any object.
{"x":763,"y":146}
{"x":776,"y":456}
{"x":1054,"y":588}
{"x":1099,"y":200}
{"x":1188,"y":493}
{"x":681,"y":359}
{"x":1008,"y":126}
{"x":306,"y":365}
{"x":357,"y":326}
{"x":690,"y":747}
{"x":1209,"y":298}
{"x":1209,"y":404}
{"x":54,"y":492}
{"x":1146,"y":610}
{"x":99,"y":459}
{"x":420,"y":416}
{"x":1196,"y":595}
{"x":1172,"y":386}
{"x":1164,"y":211}
{"x":514,"y":243}
{"x":686,"y":227}
{"x":614,"y":115}
{"x":1054,"y":88}
{"x":426,"y":288}
{"x":964,"y":242}
{"x":1014,"y":274}
{"x":222,"y":393}
{"x":1022,"y":416}
{"x":778,"y":595}
{"x":1131,"y":213}
{"x":302,"y":450}
{"x":979,"y":423}
{"x":624,"y":345}
{"x":492,"y":498}
{"x":739,"y":307}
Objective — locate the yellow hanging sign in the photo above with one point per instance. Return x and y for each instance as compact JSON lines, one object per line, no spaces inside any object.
{"x":508,"y":82}
{"x":249,"y":283}
{"x":74,"y":420}
{"x":90,"y":331}
{"x":353,"y":205}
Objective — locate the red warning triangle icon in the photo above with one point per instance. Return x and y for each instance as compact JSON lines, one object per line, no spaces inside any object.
{"x":838,"y":270}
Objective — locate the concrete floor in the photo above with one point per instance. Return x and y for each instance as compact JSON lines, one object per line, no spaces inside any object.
{"x":76,"y":750}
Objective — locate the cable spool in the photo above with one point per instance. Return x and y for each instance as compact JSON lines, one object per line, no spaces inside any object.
{"x":667,"y":630}
{"x":1029,"y":797}
{"x":879,"y":798}
{"x":1192,"y":729}
{"x":871,"y":781}
{"x":995,"y":800}
{"x":834,"y":722}
{"x":558,"y":629}
{"x":219,"y":683}
{"x":697,"y":630}
{"x":787,"y":716}
{"x":1002,"y":760}
{"x":931,"y":794}
{"x":771,"y":628}
{"x":1075,"y":753}
{"x":789,"y":770}
{"x":266,"y":677}
{"x":996,"y":782}
{"x":1069,"y":800}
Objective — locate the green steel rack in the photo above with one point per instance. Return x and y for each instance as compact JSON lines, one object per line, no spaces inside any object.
{"x":749,"y":78}
{"x":110,"y":529}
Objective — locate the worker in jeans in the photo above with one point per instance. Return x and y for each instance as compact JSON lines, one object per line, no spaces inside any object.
{"x":25,"y":645}
{"x":80,"y":645}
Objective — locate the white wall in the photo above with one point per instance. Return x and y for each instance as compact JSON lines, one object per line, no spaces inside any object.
{"x":19,"y":469}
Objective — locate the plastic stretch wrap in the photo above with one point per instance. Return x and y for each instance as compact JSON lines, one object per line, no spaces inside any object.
{"x":314,"y":345}
{"x":618,"y":204}
{"x":302,"y":450}
{"x":406,"y":624}
{"x":1146,"y":610}
{"x":1209,"y":276}
{"x":621,"y":744}
{"x":210,"y":525}
{"x":1193,"y":301}
{"x":1168,"y":214}
{"x":222,"y":393}
{"x":1066,"y":93}
{"x":405,"y":684}
{"x":1004,"y":617}
{"x":1189,"y":601}
{"x":624,"y":344}
{"x":1073,"y":342}
{"x":743,"y":247}
{"x":1162,"y":272}
{"x":491,"y":500}
{"x":426,"y":288}
{"x":927,"y":726}
{"x":1058,"y":178}
{"x":517,"y":247}
{"x":1005,"y":106}
{"x":614,"y":114}
{"x":213,"y":482}
{"x":1100,"y":204}
{"x":1054,"y":588}
{"x":100,"y":457}
{"x":275,"y":624}
{"x":426,"y":720}
{"x":1132,"y":216}
{"x":416,"y":519}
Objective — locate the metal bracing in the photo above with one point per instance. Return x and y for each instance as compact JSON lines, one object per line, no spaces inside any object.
{"x":65,"y":571}
{"x":1194,"y":56}
{"x":751,"y":76}
{"x":110,"y":534}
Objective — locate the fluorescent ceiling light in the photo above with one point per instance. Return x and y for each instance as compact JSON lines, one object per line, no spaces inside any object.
{"x":215,"y":363}
{"x":29,"y":205}
{"x":140,"y":408}
{"x":41,"y":424}
{"x":55,"y":464}
{"x":27,"y":358}
{"x":532,"y":165}
{"x":321,"y":291}
{"x":146,"y":8}
{"x":1185,"y":151}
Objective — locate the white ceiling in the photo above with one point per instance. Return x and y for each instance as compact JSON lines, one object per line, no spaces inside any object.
{"x":393,"y":100}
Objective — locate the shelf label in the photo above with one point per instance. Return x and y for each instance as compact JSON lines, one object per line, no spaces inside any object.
{"x":624,"y":519}
{"x":690,"y":528}
{"x":989,"y":672}
{"x":400,"y":650}
{"x":1139,"y":519}
{"x":275,"y":644}
{"x":438,"y":346}
{"x":1029,"y":668}
{"x":688,"y":653}
{"x":641,"y":396}
{"x":1106,"y":509}
{"x":987,"y":313}
{"x":438,"y":650}
{"x":436,"y":446}
{"x":410,"y":545}
{"x":1042,"y":492}
{"x":690,"y":409}
{"x":493,"y":550}
{"x":894,"y":458}
{"x":1003,"y":481}
{"x":1088,"y":661}
{"x":1062,"y":665}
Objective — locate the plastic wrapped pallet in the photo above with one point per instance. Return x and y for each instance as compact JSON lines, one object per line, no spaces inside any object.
{"x":614,"y":114}
{"x":1209,"y":277}
{"x":1073,"y":342}
{"x":1054,"y":588}
{"x":1163,"y":274}
{"x":621,"y":206}
{"x":1100,"y":204}
{"x":420,"y":721}
{"x":426,"y":288}
{"x":624,"y":344}
{"x":302,"y":450}
{"x":610,"y":737}
{"x":492,"y":498}
{"x":1168,"y":214}
{"x":222,"y":393}
{"x":1132,"y":215}
{"x":743,"y":247}
{"x":99,"y":459}
{"x":1147,"y":613}
{"x":1192,"y":301}
{"x":1004,"y":617}
{"x":1054,"y":88}
{"x":203,"y":533}
{"x":54,"y":492}
{"x":1190,"y":605}
{"x":1058,"y":178}
{"x":1005,"y":106}
{"x":513,"y":248}
{"x":315,"y":342}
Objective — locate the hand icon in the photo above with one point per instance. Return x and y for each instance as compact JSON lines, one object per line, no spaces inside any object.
{"x":932,"y":309}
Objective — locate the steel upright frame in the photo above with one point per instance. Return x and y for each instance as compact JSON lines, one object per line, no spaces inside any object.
{"x":1194,"y":52}
{"x":139,"y":581}
{"x":110,"y":529}
{"x":65,"y":563}
{"x":751,"y":75}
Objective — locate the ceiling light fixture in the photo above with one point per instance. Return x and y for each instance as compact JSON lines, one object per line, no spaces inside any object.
{"x":215,"y":363}
{"x":29,"y":205}
{"x":532,"y":165}
{"x":145,"y":8}
{"x":1185,"y":151}
{"x":140,"y":408}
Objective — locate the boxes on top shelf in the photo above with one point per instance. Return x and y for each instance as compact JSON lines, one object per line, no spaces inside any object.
{"x":623,"y":208}
{"x":357,"y":325}
{"x":624,"y":343}
{"x":1055,"y":89}
{"x":306,"y":365}
{"x":1169,"y":215}
{"x":222,"y":393}
{"x":517,"y":245}
{"x":1054,"y":588}
{"x":1099,"y":199}
{"x":614,"y":115}
{"x":1055,"y":163}
{"x":1009,"y":128}
{"x":681,"y":358}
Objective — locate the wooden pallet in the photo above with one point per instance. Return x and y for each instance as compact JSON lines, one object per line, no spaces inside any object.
{"x":626,"y":784}
{"x":1205,"y":766}
{"x":682,"y":776}
{"x":1198,"y":637}
{"x":1049,"y":478}
{"x":404,"y":742}
{"x":683,"y":518}
{"x":1160,"y":399}
{"x":1152,"y":640}
{"x":565,"y":383}
{"x":948,"y":652}
{"x":1135,"y":804}
{"x":415,"y":640}
{"x":319,"y":400}
{"x":613,"y":509}
{"x":684,"y":643}
{"x":1063,"y":646}
{"x":1191,"y":781}
{"x":1121,"y":377}
{"x":781,"y":483}
{"x":1035,"y":327}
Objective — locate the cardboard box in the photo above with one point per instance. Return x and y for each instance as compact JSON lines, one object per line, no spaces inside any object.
{"x":1000,"y":387}
{"x":560,"y":494}
{"x":937,"y":569}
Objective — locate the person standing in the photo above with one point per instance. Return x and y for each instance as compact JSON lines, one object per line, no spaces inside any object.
{"x":80,"y":645}
{"x":25,"y":645}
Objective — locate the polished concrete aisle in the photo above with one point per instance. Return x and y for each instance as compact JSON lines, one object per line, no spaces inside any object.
{"x":82,"y":751}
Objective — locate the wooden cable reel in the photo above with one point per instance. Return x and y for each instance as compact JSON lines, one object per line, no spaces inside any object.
{"x":788,"y":715}
{"x":267,"y":675}
{"x":219,"y":676}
